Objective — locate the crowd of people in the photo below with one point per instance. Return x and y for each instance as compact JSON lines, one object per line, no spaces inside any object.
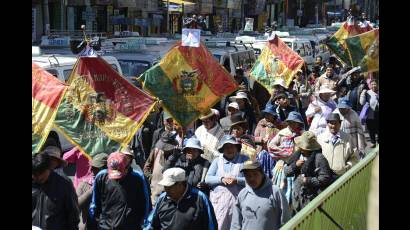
{"x":251,"y":162}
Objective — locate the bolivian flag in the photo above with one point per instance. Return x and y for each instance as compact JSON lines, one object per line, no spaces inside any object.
{"x":46,"y":93}
{"x":364,"y":50}
{"x":101,"y":111}
{"x":337,"y":43}
{"x":277,"y":60}
{"x":188,"y":81}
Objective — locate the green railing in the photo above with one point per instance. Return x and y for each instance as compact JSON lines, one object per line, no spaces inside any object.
{"x":343,"y":205}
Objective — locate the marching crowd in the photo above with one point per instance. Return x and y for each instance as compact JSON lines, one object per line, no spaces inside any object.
{"x":238,"y":167}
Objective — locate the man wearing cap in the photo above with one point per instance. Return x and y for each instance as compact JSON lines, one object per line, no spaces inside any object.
{"x":329,"y":79}
{"x":192,"y":162}
{"x":181,"y":206}
{"x":260,"y":205}
{"x":209,"y":133}
{"x":310,"y":169}
{"x":84,"y":189}
{"x":154,"y":166}
{"x":168,"y":126}
{"x":319,"y":109}
{"x":233,"y":108}
{"x":336,"y":146}
{"x":355,"y":84}
{"x":351,"y":125}
{"x":120,"y":198}
{"x":53,"y":198}
{"x":226,"y":180}
{"x":302,"y":91}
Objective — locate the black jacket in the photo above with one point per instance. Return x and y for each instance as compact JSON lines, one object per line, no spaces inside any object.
{"x":193,"y":211}
{"x":120,"y":204}
{"x":318,"y":176}
{"x":54,"y":204}
{"x":193,"y":169}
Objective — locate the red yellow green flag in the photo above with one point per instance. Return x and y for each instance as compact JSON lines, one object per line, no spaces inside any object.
{"x":277,"y":60}
{"x":188,"y":81}
{"x":337,"y":43}
{"x":364,"y":50}
{"x":101,"y":111}
{"x":46,"y":93}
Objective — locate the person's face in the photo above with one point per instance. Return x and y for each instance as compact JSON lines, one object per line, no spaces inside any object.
{"x":318,"y":61}
{"x":237,"y":131}
{"x":343,"y":111}
{"x":229,"y":151}
{"x":191,"y":153}
{"x":373,"y":86}
{"x":253,"y":177}
{"x":305,"y":153}
{"x":209,"y":123}
{"x":299,"y":76}
{"x":334,"y":126}
{"x":325,"y":96}
{"x":169,"y":123}
{"x":232,"y":110}
{"x":283,"y":102}
{"x":270,"y":118}
{"x":241,"y":102}
{"x":95,"y":170}
{"x":41,"y":178}
{"x":293,"y":126}
{"x":329,"y":72}
{"x":175,"y":191}
{"x":54,"y":163}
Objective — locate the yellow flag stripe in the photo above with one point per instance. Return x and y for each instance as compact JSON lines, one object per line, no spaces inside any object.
{"x":168,"y":64}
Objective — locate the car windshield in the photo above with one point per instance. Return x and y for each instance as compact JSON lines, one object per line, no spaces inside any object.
{"x":217,"y":57}
{"x":133,"y":68}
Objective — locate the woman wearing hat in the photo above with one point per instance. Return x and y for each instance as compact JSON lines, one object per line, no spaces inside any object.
{"x":155,"y":163}
{"x":226,"y":180}
{"x":246,"y":108}
{"x":320,"y":109}
{"x":238,"y":129}
{"x":281,"y":148}
{"x":310,"y":169}
{"x":192,"y":162}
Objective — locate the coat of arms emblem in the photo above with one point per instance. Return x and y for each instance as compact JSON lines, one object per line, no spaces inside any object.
{"x":98,"y":109}
{"x":187,"y":83}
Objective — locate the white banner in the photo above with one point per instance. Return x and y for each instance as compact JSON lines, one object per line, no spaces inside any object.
{"x":191,"y":37}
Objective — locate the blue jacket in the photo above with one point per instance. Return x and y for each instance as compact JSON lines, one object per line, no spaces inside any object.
{"x":193,"y":211}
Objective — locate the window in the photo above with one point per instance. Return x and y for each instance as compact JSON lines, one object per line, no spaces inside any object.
{"x":67,"y":73}
{"x":133,"y":68}
{"x":300,"y":49}
{"x":54,"y":72}
{"x":217,"y":57}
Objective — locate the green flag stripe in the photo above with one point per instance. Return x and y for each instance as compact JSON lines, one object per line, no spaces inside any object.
{"x":157,"y":83}
{"x":88,"y":136}
{"x":356,"y":51}
{"x":336,"y":47}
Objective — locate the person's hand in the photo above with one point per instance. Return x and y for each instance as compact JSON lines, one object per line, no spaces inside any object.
{"x":232,"y":181}
{"x":225,"y":180}
{"x":299,"y":163}
{"x":202,"y":185}
{"x":318,"y":109}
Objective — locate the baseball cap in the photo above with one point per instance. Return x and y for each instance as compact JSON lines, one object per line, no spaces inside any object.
{"x":171,"y":176}
{"x":116,"y":163}
{"x":234,"y":105}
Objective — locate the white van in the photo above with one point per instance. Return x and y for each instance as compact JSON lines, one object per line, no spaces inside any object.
{"x":301,"y":46}
{"x":61,"y":66}
{"x":232,"y":56}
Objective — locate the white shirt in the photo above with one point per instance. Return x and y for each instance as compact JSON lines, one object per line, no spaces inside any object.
{"x":209,"y":140}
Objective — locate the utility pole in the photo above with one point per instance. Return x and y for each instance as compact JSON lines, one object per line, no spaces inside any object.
{"x":168,"y":30}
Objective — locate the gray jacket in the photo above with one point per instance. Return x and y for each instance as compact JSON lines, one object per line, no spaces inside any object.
{"x":264,"y":208}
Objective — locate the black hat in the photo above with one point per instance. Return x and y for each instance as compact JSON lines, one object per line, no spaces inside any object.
{"x":237,"y":119}
{"x":333,"y":117}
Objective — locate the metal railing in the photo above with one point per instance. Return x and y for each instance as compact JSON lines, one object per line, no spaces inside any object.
{"x":343,"y":205}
